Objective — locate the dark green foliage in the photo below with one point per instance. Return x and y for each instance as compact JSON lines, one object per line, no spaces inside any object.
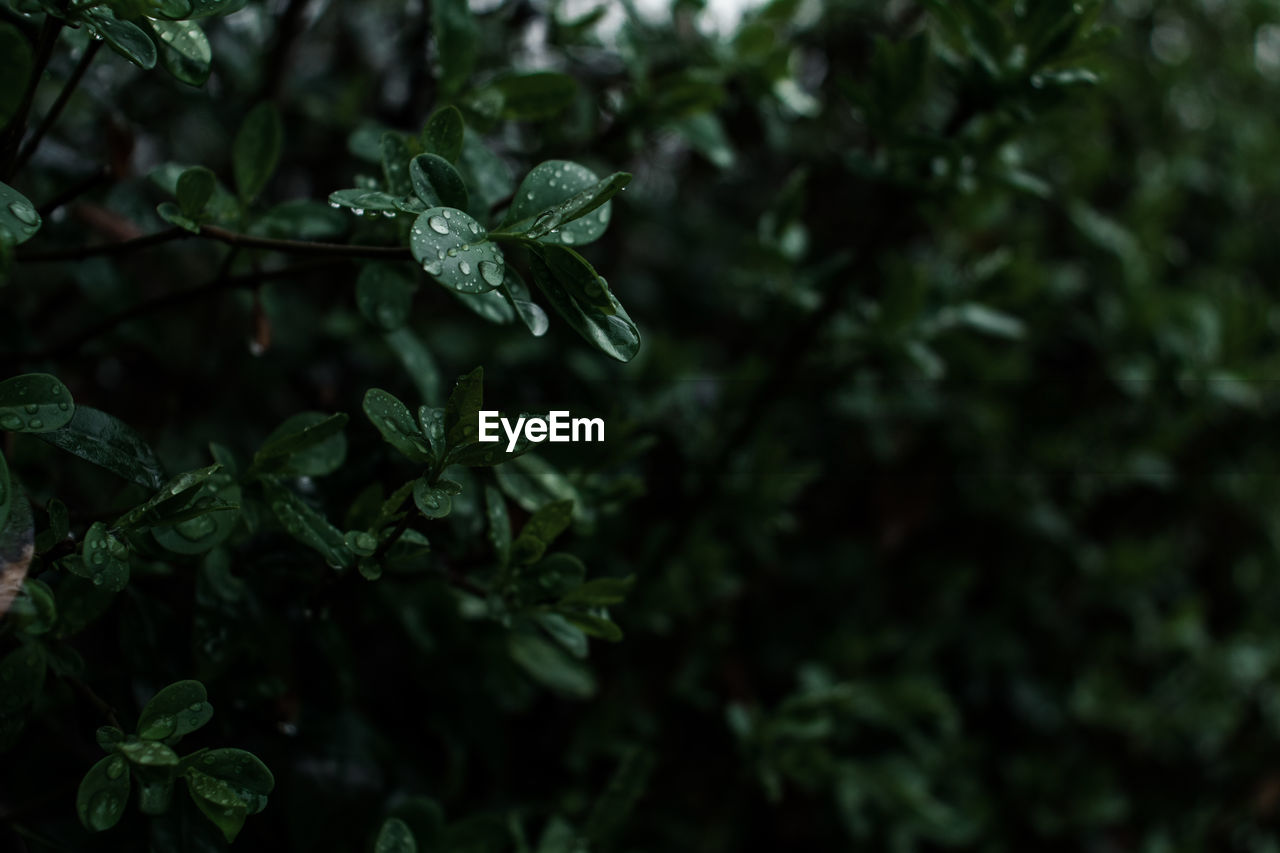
{"x":936,"y":506}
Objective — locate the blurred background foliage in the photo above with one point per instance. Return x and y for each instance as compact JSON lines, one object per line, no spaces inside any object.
{"x":944,"y":470}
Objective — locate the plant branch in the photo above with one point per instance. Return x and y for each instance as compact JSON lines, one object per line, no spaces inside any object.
{"x":12,"y":136}
{"x":102,"y":705}
{"x":222,"y":235}
{"x":86,"y":59}
{"x":220,"y":282}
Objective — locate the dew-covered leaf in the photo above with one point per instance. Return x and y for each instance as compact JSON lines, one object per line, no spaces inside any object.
{"x":34,"y":402}
{"x":309,"y":444}
{"x":184,"y":50}
{"x":105,"y":441}
{"x":363,"y":201}
{"x":432,"y":501}
{"x":307,"y":525}
{"x":549,"y":185}
{"x":176,"y":710}
{"x":103,"y":794}
{"x":393,"y":419}
{"x":125,"y":37}
{"x":104,"y":559}
{"x":462,"y":411}
{"x":454,"y":249}
{"x":585,"y":301}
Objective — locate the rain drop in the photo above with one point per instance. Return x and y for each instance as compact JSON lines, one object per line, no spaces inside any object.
{"x":453,"y":252}
{"x":464,"y":267}
{"x":24,"y":213}
{"x":438,"y":225}
{"x":475,"y":229}
{"x":448,"y":214}
{"x":567,"y":237}
{"x":31,"y":408}
{"x":491,"y":272}
{"x":11,"y":422}
{"x":35,"y":423}
{"x":432,"y":267}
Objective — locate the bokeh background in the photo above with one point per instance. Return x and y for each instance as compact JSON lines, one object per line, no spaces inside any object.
{"x":947,"y":470}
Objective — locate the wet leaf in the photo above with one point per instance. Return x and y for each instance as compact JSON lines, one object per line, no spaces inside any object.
{"x":550,"y":666}
{"x":308,"y":525}
{"x":34,"y":402}
{"x":432,"y":501}
{"x":462,"y":411}
{"x":309,"y":444}
{"x":104,"y":559}
{"x":177,"y":710}
{"x":184,"y":50}
{"x":393,"y":420}
{"x":256,"y":150}
{"x":585,"y":301}
{"x":443,"y":133}
{"x":125,"y":37}
{"x":541,"y":530}
{"x":101,"y":439}
{"x":103,"y":794}
{"x":437,"y":183}
{"x":455,"y":250}
{"x":549,"y":185}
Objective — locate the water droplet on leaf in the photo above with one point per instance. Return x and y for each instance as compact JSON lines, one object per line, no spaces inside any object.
{"x":438,"y":225}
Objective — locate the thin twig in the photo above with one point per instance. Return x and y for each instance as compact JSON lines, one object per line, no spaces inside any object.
{"x":222,"y":235}
{"x":104,"y":707}
{"x":221,"y":282}
{"x":86,"y":59}
{"x":12,"y":136}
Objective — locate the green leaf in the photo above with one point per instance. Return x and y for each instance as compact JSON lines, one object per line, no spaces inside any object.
{"x":452,"y":247}
{"x":363,"y":202}
{"x":251,"y":780}
{"x":148,"y":753}
{"x":218,"y":801}
{"x":384,"y":295}
{"x":171,"y":213}
{"x":395,"y":163}
{"x":596,"y":626}
{"x":437,"y":183}
{"x":532,"y":482}
{"x":531,"y":313}
{"x":555,"y":200}
{"x":103,"y":794}
{"x":462,"y":411}
{"x":492,"y":305}
{"x":125,"y":37}
{"x":443,"y":133}
{"x":15,"y":71}
{"x":486,"y":174}
{"x":419,"y":363}
{"x":18,"y":215}
{"x":550,"y":666}
{"x":104,"y":559}
{"x":184,"y":50}
{"x":499,"y":524}
{"x":393,"y":420}
{"x":22,"y":673}
{"x":176,"y":710}
{"x":307,"y":525}
{"x":195,"y":188}
{"x":432,"y":501}
{"x":583,"y":298}
{"x":101,"y":439}
{"x":309,"y":444}
{"x":600,"y":592}
{"x":541,"y":530}
{"x":109,"y":737}
{"x":539,"y":95}
{"x":395,"y":837}
{"x":456,"y":43}
{"x":431,"y":419}
{"x":553,"y":576}
{"x":256,"y":150}
{"x":487,"y":454}
{"x":172,"y":10}
{"x":168,"y":500}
